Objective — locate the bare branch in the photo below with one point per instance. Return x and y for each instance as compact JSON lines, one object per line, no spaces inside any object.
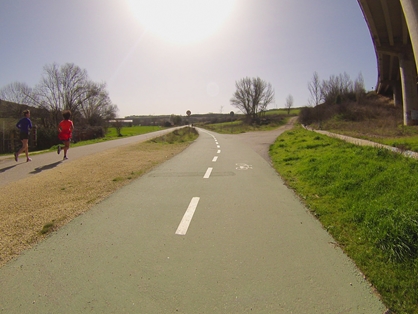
{"x":17,"y":92}
{"x":252,"y":96}
{"x":315,"y":90}
{"x":289,"y":103}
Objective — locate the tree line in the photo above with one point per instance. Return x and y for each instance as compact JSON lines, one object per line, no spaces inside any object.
{"x":253,"y":95}
{"x":61,"y":87}
{"x":336,"y":90}
{"x":332,"y":96}
{"x":65,"y":87}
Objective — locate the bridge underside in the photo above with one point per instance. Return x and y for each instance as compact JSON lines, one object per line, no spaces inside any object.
{"x":393,"y":26}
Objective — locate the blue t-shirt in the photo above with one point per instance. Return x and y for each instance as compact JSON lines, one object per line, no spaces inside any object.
{"x":24,"y":125}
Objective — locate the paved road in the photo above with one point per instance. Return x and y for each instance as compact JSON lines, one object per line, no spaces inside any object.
{"x":11,"y":171}
{"x":212,"y":230}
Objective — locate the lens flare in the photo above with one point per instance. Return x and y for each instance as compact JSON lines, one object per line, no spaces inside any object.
{"x":182,"y":21}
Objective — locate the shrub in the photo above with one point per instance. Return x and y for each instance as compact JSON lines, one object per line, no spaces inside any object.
{"x":46,"y":138}
{"x":88,"y":133}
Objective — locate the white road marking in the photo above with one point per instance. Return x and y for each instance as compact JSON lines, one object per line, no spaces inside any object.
{"x":207,"y":174}
{"x":187,"y":217}
{"x":242,"y":166}
{"x":215,"y":158}
{"x":219,"y":151}
{"x":218,"y":146}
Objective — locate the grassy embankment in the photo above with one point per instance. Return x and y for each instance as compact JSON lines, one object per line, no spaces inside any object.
{"x":367,"y":200}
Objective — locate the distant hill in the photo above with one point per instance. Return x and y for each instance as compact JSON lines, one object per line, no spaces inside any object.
{"x":10,"y":109}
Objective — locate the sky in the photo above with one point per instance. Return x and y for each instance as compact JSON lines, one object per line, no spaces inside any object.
{"x":153,"y":65}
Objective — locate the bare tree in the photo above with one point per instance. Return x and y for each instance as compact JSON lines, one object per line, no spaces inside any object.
{"x":118,"y":126}
{"x":315,"y":90}
{"x":57,"y":88}
{"x":337,"y":89}
{"x":346,"y":84}
{"x":16,"y":92}
{"x":68,"y":87}
{"x":289,"y":103}
{"x":359,"y":88}
{"x":95,"y":105}
{"x":330,"y":89}
{"x":252,"y":96}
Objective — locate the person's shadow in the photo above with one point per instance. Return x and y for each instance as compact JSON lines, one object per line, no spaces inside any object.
{"x":7,"y":168}
{"x":46,"y":167}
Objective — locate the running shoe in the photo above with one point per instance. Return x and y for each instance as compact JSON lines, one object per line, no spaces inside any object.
{"x":65,"y":158}
{"x":59,"y":150}
{"x":29,"y":159}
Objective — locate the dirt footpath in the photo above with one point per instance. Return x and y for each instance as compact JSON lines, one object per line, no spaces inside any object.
{"x":260,"y":141}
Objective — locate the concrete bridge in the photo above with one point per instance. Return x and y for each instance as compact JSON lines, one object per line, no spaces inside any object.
{"x":393,"y":26}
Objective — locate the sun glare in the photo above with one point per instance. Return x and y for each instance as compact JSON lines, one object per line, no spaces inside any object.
{"x":182,"y":21}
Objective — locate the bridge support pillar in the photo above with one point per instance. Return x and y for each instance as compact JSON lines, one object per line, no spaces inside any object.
{"x":409,"y":88}
{"x":410,"y":10}
{"x":397,"y":93}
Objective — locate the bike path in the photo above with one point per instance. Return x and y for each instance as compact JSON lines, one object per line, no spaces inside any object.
{"x":250,"y":247}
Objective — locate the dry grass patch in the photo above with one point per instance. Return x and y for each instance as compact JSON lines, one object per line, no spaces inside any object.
{"x":33,"y":207}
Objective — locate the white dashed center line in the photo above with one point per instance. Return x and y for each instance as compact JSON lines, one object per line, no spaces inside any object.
{"x":219,"y":151}
{"x":188,"y":215}
{"x":207,"y":174}
{"x":215,"y":158}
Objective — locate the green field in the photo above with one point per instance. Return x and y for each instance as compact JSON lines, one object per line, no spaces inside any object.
{"x":131,"y":131}
{"x":239,"y":126}
{"x":292,"y":112}
{"x":113,"y":135}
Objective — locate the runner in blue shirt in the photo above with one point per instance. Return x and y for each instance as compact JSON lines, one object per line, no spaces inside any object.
{"x":24,"y":125}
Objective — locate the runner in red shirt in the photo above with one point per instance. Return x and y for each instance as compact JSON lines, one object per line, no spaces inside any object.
{"x":65,"y":129}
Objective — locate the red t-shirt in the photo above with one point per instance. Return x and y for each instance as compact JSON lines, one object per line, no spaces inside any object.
{"x":66,"y":128}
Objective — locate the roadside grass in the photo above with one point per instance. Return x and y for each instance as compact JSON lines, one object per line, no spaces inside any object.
{"x":367,"y":199}
{"x":186,"y":134}
{"x":403,"y":143}
{"x":47,"y":227}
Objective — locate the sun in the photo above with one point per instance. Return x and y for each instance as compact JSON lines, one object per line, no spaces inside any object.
{"x":182,"y":21}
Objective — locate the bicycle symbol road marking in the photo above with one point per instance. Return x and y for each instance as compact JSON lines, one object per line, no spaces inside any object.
{"x":241,"y":166}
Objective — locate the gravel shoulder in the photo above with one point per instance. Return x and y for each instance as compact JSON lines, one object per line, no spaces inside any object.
{"x":33,"y":207}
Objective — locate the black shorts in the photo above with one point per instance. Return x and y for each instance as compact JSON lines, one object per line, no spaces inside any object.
{"x":24,"y":136}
